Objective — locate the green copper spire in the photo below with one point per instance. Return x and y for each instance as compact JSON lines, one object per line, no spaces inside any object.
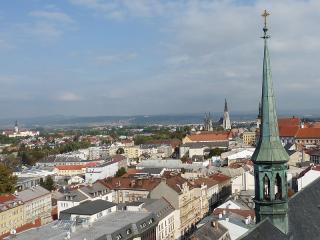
{"x":269,"y":147}
{"x":270,"y":158}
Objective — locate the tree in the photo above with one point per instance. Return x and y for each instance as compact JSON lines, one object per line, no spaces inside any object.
{"x":120,"y":151}
{"x":7,"y":180}
{"x":120,"y":172}
{"x":48,"y":183}
{"x":215,"y":152}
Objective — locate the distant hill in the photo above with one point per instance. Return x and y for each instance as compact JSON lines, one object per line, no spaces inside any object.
{"x":60,"y":121}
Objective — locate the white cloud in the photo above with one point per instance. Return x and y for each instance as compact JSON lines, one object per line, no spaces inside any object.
{"x":114,"y":58}
{"x":48,"y":25}
{"x":52,"y":16}
{"x":68,"y":97}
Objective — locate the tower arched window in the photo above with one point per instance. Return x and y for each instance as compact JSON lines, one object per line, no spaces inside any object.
{"x":278,"y":187}
{"x":266,"y":187}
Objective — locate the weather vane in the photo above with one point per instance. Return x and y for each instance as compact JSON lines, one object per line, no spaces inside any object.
{"x":265,"y":14}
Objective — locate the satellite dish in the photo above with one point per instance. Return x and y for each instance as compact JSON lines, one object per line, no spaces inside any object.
{"x":13,"y":231}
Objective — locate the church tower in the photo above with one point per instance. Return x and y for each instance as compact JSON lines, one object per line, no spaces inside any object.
{"x":270,"y":158}
{"x":226,"y":117}
{"x":16,"y":127}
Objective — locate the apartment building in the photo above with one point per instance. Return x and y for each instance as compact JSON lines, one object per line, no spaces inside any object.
{"x":37,"y":204}
{"x":190,"y":201}
{"x":11,"y":213}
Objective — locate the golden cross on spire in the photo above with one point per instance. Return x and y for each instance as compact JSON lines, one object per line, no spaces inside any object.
{"x":265,"y":14}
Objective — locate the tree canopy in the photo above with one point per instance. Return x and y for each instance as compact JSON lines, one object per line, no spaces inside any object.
{"x":7,"y":180}
{"x":120,"y":172}
{"x":48,"y":183}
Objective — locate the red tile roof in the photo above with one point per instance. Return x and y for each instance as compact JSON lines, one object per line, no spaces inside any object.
{"x":289,"y":122}
{"x":207,"y":181}
{"x":173,"y":142}
{"x":146,"y":184}
{"x":220,"y":177}
{"x":209,"y":136}
{"x":288,"y":131}
{"x":176,"y":182}
{"x":70,"y":167}
{"x":308,"y":133}
{"x":7,"y":197}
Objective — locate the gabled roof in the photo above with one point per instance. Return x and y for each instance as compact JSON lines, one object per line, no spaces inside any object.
{"x":308,"y":133}
{"x":264,"y":231}
{"x":209,"y":136}
{"x":204,"y":180}
{"x":220,"y":177}
{"x":145,"y":184}
{"x":160,"y":207}
{"x":210,"y":232}
{"x":289,"y":122}
{"x":32,"y":193}
{"x":176,"y":182}
{"x":288,"y":131}
{"x":304,"y":213}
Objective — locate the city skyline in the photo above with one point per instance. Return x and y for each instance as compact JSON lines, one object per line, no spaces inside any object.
{"x":93,"y":58}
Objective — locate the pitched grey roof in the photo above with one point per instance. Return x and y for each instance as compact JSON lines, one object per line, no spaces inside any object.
{"x":208,"y":232}
{"x":96,"y":188}
{"x":161,"y":208}
{"x":152,"y":170}
{"x":304,"y":213}
{"x":264,"y":231}
{"x":32,"y":193}
{"x":89,"y":207}
{"x":74,"y":196}
{"x":108,"y":227}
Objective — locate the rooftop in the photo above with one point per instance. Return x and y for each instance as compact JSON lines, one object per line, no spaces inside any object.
{"x":32,"y":193}
{"x":89,"y":207}
{"x":107,"y":227}
{"x":209,"y":136}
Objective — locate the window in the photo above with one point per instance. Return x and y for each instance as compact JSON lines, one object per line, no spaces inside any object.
{"x":278,"y":187}
{"x":266,"y":187}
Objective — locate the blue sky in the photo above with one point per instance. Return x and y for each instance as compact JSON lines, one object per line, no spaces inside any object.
{"x":104,"y":57}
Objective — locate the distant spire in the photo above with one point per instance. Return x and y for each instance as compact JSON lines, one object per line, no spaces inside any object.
{"x":225,"y":105}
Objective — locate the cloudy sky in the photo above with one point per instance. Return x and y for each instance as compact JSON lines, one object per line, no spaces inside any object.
{"x":124,"y":57}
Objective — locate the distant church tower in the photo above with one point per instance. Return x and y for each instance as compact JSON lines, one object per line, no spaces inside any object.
{"x":258,"y":120}
{"x":226,"y":118}
{"x":16,"y":127}
{"x":208,"y":122}
{"x":270,"y":158}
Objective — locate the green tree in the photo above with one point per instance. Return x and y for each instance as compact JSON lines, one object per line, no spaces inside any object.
{"x":48,"y":183}
{"x":7,"y":180}
{"x":215,"y":152}
{"x":120,"y":172}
